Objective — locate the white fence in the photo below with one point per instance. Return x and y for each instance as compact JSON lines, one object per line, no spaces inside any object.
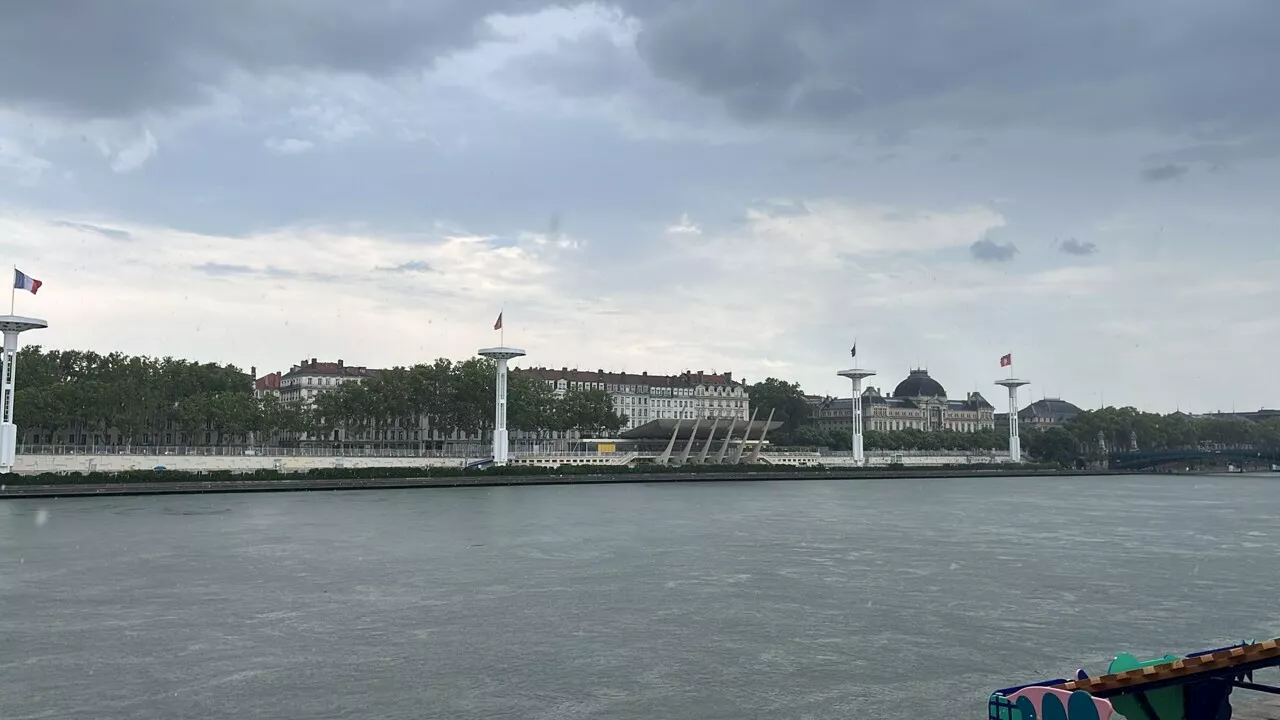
{"x":35,"y":459}
{"x":452,"y":450}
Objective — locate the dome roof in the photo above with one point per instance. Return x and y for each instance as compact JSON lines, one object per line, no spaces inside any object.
{"x":919,"y":384}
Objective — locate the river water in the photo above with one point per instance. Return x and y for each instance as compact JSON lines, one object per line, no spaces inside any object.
{"x":813,"y":599}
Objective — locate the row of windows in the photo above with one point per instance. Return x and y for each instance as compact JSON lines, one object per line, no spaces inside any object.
{"x":645,"y":389}
{"x":326,"y":381}
{"x":624,"y":401}
{"x":919,"y":425}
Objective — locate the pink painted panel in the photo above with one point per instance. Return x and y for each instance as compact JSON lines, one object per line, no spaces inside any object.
{"x":1036,"y":696}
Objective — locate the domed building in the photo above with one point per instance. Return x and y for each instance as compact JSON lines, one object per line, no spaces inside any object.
{"x":920,"y":403}
{"x":917,"y":403}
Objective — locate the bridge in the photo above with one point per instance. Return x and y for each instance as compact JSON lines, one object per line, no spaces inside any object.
{"x":1145,"y":459}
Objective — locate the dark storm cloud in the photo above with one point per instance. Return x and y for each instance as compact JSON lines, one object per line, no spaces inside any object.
{"x":988,"y":250}
{"x":1072,"y":246}
{"x":90,"y":58}
{"x":1161,"y":173}
{"x":1096,"y":61}
{"x":957,"y":61}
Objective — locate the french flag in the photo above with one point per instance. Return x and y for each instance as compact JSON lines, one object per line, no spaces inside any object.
{"x":23,"y":281}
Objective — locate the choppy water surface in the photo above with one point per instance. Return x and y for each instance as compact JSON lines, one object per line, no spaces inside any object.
{"x":838,"y":599}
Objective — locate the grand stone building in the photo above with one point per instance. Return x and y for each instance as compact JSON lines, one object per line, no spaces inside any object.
{"x":919,"y":402}
{"x":643,"y":397}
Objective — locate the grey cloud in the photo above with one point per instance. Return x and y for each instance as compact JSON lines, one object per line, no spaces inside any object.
{"x":271,"y":272}
{"x":413,"y":266}
{"x":988,"y":250}
{"x":887,"y":65}
{"x":1218,"y":154}
{"x":589,"y":66}
{"x":783,"y":208}
{"x":1161,"y":173}
{"x":1072,"y":246}
{"x":980,"y":61}
{"x":223,"y":269}
{"x":107,"y":232}
{"x":88,"y":58}
{"x":734,"y":52}
{"x":827,"y":103}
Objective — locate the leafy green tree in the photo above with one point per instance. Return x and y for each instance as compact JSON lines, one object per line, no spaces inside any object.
{"x":590,"y":412}
{"x":786,"y":401}
{"x":531,"y":404}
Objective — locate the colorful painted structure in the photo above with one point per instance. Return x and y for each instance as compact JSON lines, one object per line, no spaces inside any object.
{"x":1195,"y":687}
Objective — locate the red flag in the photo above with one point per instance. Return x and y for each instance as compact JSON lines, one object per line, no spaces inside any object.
{"x":498,"y":325}
{"x":1005,"y":361}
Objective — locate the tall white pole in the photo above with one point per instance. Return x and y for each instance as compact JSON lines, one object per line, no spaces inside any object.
{"x":858,"y":456}
{"x":500,"y":415}
{"x":1015,"y":440}
{"x":8,"y":430}
{"x":500,"y":356}
{"x":12,"y":326}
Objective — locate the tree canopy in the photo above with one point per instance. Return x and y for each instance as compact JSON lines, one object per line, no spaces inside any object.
{"x":69,"y":396}
{"x":784,"y":399}
{"x":142,"y":400}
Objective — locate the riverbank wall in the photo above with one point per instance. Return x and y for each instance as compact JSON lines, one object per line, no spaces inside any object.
{"x":303,"y":483}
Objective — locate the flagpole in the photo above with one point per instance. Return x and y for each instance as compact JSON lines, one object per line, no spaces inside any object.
{"x":13,"y":288}
{"x":502,"y":331}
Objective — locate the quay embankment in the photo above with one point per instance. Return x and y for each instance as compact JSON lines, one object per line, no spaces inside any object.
{"x":172,"y":483}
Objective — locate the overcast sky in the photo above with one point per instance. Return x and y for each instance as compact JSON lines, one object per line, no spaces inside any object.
{"x":660,"y":185}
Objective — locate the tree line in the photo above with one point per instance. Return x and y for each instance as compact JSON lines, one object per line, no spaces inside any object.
{"x":83,"y":397}
{"x":79,"y":397}
{"x":1088,"y":437}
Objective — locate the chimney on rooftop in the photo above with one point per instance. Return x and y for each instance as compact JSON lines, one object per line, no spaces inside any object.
{"x":313,"y":361}
{"x":339,"y":362}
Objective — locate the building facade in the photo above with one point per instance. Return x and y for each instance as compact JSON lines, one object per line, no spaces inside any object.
{"x":1047,"y":413}
{"x":643,"y":397}
{"x":308,"y":379}
{"x":267,"y":385}
{"x":311,"y":378}
{"x":917,"y":403}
